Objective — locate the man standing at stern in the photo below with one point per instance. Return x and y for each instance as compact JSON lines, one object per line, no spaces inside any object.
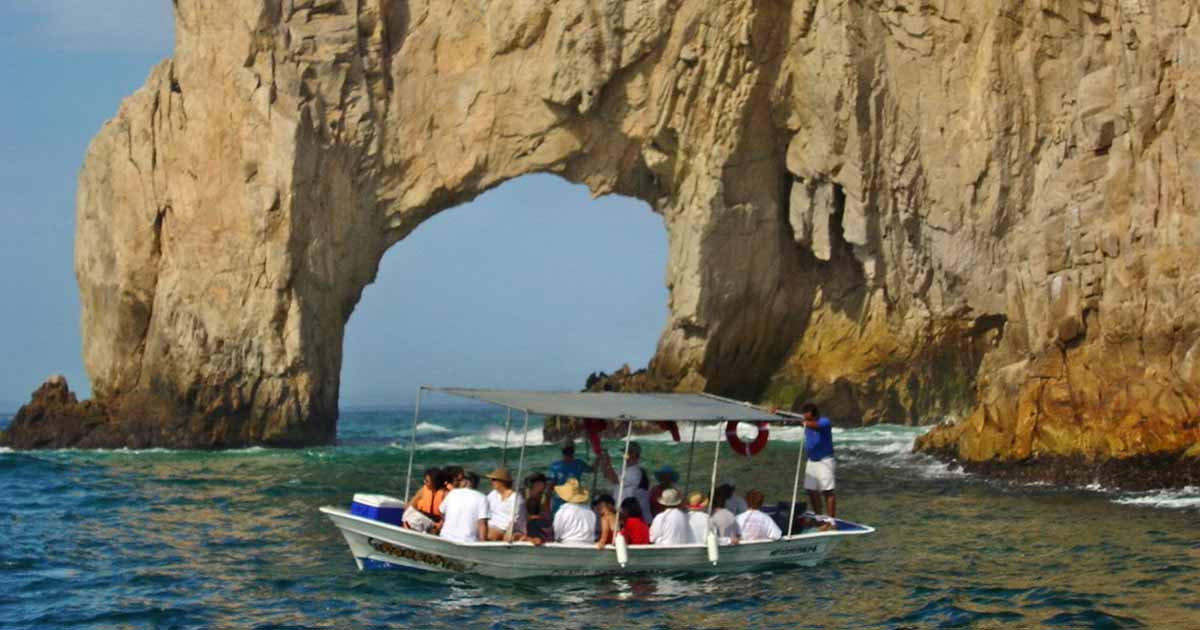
{"x":819,"y":473}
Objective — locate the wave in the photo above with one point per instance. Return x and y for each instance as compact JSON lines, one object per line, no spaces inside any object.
{"x":1187,"y":497}
{"x":429,"y":427}
{"x":487,"y":437}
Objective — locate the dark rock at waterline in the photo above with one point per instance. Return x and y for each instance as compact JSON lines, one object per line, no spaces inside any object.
{"x":55,"y":418}
{"x":1140,"y":472}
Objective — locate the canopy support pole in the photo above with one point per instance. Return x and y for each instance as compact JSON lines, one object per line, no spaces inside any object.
{"x":687,"y":484}
{"x":801,"y":464}
{"x":712,"y":486}
{"x":516,"y":508}
{"x":624,"y":465}
{"x":412,"y":445}
{"x":507,"y":428}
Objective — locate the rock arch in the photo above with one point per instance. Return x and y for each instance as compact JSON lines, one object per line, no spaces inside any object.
{"x":901,"y":209}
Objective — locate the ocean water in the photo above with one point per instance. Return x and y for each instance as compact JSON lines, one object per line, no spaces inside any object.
{"x":176,"y":539}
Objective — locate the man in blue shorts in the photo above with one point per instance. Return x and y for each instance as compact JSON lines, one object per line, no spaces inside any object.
{"x":819,"y":473}
{"x":566,"y":468}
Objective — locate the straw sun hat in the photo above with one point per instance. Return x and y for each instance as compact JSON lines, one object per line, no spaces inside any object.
{"x":500,"y":474}
{"x":697,"y":501}
{"x":670,"y":498}
{"x":571,"y":492}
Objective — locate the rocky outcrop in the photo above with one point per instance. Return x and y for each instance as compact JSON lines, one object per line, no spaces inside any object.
{"x":53,"y":416}
{"x":561,"y":428}
{"x":904,"y":209}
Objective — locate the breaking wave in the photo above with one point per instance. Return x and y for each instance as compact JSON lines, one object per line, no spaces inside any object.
{"x":1187,"y":497}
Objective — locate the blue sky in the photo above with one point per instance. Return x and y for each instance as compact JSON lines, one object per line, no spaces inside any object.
{"x":534,"y":284}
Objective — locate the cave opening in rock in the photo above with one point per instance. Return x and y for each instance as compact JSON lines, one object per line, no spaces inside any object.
{"x":534,"y":284}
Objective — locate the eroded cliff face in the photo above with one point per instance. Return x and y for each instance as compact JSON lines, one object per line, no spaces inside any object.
{"x":903,"y":209}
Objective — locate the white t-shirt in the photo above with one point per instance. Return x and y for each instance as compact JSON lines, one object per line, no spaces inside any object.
{"x":757,"y":526}
{"x":462,"y":510}
{"x":698,"y":523}
{"x":726,"y":525}
{"x":736,"y":504}
{"x":670,"y":527}
{"x":500,"y":512}
{"x":574,"y":523}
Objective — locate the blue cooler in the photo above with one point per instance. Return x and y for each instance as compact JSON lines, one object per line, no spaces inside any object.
{"x":378,"y":507}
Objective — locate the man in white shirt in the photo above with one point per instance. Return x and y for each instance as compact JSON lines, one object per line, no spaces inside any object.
{"x":465,"y":512}
{"x":670,"y":526}
{"x":502,"y":501}
{"x":755,"y":525}
{"x":698,"y":517}
{"x":636,"y":483}
{"x":574,"y":522}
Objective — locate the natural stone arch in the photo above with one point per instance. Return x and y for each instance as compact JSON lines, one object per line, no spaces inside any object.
{"x":349,"y":123}
{"x":897,"y":208}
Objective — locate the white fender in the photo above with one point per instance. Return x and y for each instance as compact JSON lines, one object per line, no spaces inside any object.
{"x":622,"y":549}
{"x":713,"y":550}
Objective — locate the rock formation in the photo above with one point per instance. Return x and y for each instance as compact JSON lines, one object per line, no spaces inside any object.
{"x":905,"y":209}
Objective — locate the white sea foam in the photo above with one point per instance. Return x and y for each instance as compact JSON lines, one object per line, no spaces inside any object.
{"x":429,"y":427}
{"x":1187,"y":497}
{"x":5,"y":449}
{"x":488,"y":437}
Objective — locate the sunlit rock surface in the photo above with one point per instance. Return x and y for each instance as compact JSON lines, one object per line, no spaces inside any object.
{"x":903,"y":210}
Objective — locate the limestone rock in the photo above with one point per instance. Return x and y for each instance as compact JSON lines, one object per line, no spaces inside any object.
{"x":869,"y":204}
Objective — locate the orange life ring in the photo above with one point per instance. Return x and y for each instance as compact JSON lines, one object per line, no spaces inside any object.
{"x":740,"y":447}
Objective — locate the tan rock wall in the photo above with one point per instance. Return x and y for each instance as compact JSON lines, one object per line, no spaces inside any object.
{"x":899,"y":208}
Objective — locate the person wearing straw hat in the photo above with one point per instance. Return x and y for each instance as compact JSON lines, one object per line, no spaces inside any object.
{"x":670,"y":527}
{"x":574,"y":522}
{"x":698,"y":517}
{"x":566,"y":468}
{"x":503,"y":501}
{"x":666,"y":478}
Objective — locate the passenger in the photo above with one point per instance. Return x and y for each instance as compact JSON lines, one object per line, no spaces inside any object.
{"x":637,"y":485}
{"x":502,"y":501}
{"x":424,"y":510}
{"x":606,"y":510}
{"x":734,"y":503}
{"x":635,"y":531}
{"x":755,"y":525}
{"x":723,"y":520}
{"x":452,"y":477}
{"x":670,"y":527}
{"x":819,"y":473}
{"x":465,"y":511}
{"x":574,"y":522}
{"x":566,"y":468}
{"x":698,"y":521}
{"x":537,"y":506}
{"x":667,"y":478}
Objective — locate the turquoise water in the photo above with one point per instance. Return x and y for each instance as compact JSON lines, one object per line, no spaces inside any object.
{"x":168,"y":539}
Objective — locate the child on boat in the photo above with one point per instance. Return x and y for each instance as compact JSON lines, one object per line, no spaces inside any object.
{"x":754,"y":524}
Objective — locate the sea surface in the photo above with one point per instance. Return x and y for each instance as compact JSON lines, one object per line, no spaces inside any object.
{"x":181,"y":539}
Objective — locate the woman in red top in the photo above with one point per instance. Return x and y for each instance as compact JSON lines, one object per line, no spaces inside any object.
{"x":635,"y":531}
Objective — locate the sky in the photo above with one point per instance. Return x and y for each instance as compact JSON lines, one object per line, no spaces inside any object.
{"x":533,"y":285}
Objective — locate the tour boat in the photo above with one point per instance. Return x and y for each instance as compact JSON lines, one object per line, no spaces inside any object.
{"x":379,"y":542}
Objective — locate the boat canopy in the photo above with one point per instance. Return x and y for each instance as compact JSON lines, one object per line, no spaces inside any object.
{"x":621,"y":406}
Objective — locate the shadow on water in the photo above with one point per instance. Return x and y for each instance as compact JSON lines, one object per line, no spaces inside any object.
{"x":185,"y":539}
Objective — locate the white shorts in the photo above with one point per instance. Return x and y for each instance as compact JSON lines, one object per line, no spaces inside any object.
{"x":819,"y":475}
{"x":416,"y":520}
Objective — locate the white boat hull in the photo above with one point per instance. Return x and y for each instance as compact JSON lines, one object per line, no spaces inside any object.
{"x":377,"y":545}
